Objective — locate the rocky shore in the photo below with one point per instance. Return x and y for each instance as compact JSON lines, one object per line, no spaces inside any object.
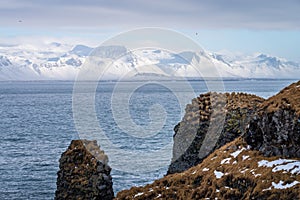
{"x":227,"y":146}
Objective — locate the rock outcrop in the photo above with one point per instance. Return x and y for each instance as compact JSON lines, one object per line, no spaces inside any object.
{"x":275,"y":129}
{"x":210,"y":121}
{"x":84,"y":173}
{"x":262,"y":162}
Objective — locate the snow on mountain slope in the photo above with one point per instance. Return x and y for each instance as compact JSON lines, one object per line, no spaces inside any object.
{"x":44,"y":62}
{"x":259,"y":66}
{"x":57,"y":61}
{"x":4,"y":61}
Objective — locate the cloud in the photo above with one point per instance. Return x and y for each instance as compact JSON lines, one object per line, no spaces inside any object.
{"x":190,"y":14}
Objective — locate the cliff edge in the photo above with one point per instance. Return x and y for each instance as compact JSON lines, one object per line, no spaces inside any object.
{"x":275,"y":128}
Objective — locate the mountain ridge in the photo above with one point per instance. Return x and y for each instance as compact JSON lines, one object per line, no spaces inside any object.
{"x":56,"y":61}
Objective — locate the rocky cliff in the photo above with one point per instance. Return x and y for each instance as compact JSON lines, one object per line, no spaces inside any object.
{"x":262,"y":160}
{"x":275,"y":128}
{"x":210,"y":121}
{"x":84,"y":173}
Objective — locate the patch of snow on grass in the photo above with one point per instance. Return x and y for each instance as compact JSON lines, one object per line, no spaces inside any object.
{"x":236,"y":153}
{"x":228,"y":187}
{"x":194,"y":172}
{"x":213,"y":158}
{"x":267,"y":189}
{"x":253,"y":173}
{"x":243,"y":171}
{"x":225,"y":161}
{"x":281,"y":186}
{"x":293,"y":167}
{"x":139,"y":194}
{"x":266,"y":163}
{"x":286,"y":165}
{"x":256,"y":175}
{"x":218,"y":174}
{"x":205,"y":169}
{"x":245,"y":157}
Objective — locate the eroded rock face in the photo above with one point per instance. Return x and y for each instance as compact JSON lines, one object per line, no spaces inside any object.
{"x":275,"y":130}
{"x":210,"y":121}
{"x":84,"y":173}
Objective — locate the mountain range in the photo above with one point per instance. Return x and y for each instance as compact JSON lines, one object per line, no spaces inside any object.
{"x":57,"y":61}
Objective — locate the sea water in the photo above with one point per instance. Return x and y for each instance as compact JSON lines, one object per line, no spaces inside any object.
{"x":36,"y":125}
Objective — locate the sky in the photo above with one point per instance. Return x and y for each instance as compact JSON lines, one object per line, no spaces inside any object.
{"x":248,"y":26}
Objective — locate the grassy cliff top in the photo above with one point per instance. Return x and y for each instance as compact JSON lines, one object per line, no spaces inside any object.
{"x":288,"y":98}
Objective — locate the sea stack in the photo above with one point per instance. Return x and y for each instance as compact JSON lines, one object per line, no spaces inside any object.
{"x":84,"y":173}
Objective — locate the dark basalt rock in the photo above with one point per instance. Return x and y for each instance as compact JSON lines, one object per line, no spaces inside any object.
{"x":84,"y":173}
{"x":275,"y":130}
{"x":210,"y":121}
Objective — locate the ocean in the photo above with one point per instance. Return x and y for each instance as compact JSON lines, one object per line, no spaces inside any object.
{"x":36,"y":124}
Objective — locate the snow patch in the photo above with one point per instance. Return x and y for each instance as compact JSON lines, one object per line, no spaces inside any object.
{"x":236,"y":153}
{"x":267,"y":189}
{"x":293,"y":168}
{"x":139,"y":194}
{"x":243,"y":171}
{"x":205,"y":169}
{"x":245,"y":157}
{"x":213,"y":158}
{"x":228,"y":187}
{"x":218,"y":174}
{"x":281,"y":186}
{"x":285,"y":165}
{"x":256,"y":175}
{"x":225,"y":161}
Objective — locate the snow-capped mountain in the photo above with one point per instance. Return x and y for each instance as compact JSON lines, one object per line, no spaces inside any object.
{"x":56,"y":61}
{"x":259,"y":66}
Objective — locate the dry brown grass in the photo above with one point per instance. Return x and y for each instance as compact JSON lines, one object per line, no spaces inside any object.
{"x":242,"y":179}
{"x":288,"y":98}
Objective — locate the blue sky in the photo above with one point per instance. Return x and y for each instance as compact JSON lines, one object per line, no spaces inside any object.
{"x":271,"y":27}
